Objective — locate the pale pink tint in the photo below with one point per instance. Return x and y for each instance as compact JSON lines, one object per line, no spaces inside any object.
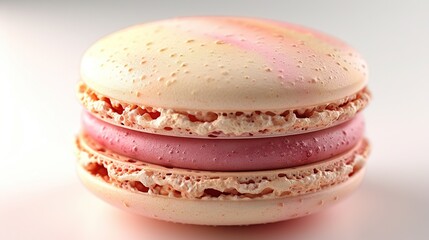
{"x":226,"y":154}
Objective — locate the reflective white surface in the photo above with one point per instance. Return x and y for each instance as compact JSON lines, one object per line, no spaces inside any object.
{"x":40,"y":49}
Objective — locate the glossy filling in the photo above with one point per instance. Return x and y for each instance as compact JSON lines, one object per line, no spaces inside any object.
{"x":226,"y":154}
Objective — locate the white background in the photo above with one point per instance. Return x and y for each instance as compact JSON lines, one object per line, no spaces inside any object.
{"x":41,"y":44}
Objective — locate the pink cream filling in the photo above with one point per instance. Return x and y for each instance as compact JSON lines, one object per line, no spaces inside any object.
{"x":226,"y":154}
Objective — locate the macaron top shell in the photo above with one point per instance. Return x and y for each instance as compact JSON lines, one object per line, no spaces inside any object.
{"x":223,"y":64}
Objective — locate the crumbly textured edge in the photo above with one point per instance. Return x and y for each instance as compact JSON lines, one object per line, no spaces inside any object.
{"x":221,"y":124}
{"x":138,"y":176}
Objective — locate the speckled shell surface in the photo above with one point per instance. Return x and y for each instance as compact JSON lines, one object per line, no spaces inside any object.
{"x":223,"y":64}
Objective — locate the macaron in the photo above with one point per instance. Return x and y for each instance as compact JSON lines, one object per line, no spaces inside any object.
{"x":222,"y":120}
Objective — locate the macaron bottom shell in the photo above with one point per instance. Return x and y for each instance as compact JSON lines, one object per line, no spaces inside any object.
{"x":171,"y":203}
{"x":218,"y":212}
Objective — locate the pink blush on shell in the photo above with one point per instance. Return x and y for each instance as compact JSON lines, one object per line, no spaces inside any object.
{"x":226,"y":154}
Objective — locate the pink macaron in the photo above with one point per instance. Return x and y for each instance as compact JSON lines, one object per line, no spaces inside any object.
{"x":222,"y":120}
